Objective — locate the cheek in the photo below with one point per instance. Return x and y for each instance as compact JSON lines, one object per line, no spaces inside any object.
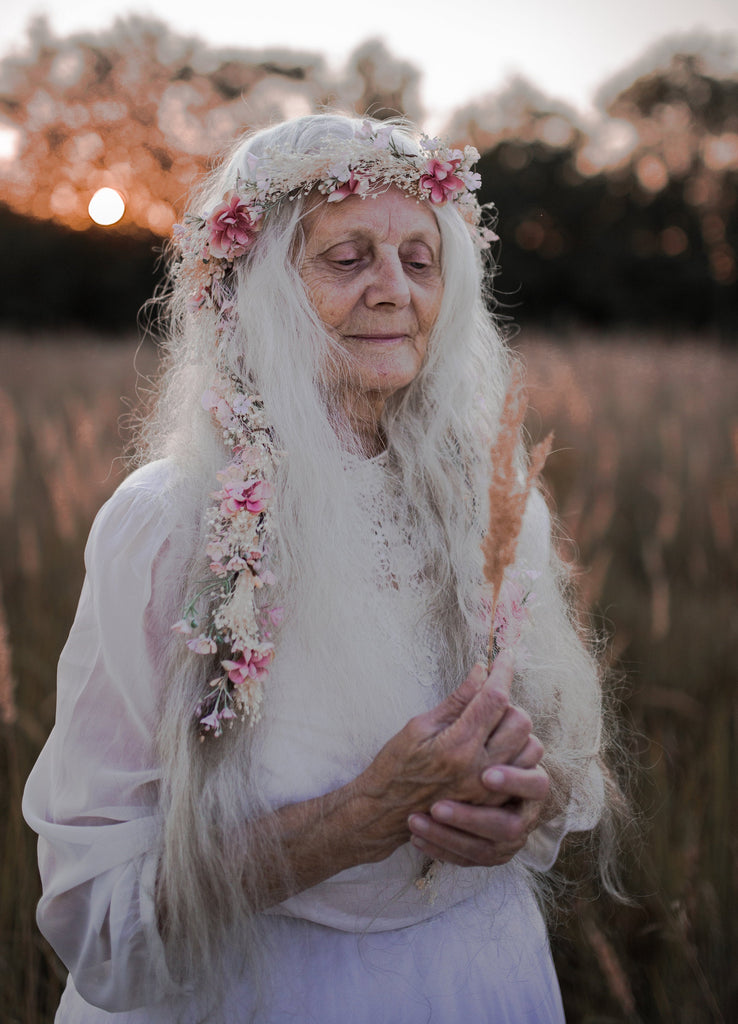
{"x":332,"y":303}
{"x":431,"y":309}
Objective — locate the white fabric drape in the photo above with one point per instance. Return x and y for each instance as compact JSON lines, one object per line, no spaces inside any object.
{"x":344,"y":947}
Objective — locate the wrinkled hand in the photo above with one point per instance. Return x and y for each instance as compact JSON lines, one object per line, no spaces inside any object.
{"x":437,"y":766}
{"x":461,"y":781}
{"x":468,"y":834}
{"x":492,"y":830}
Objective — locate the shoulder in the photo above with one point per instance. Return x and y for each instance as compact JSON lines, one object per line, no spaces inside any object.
{"x":534,"y":544}
{"x":537,"y":518}
{"x":153,"y":481}
{"x":142,"y":511}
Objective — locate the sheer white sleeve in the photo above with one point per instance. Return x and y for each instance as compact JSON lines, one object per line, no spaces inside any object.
{"x":92,"y":796}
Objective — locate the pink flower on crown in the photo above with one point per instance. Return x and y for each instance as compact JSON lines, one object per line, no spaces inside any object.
{"x":355,"y":185}
{"x":231,"y":229}
{"x":247,"y":456}
{"x":471,"y":179}
{"x":236,"y":564}
{"x":249,"y":665}
{"x":221,"y":410}
{"x":440,"y":180}
{"x":202,"y":645}
{"x":211,"y":723}
{"x":214,"y":721}
{"x":252,"y":495}
{"x":216,"y":549}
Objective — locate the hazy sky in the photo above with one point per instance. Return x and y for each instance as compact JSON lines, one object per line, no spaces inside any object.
{"x":464,"y":49}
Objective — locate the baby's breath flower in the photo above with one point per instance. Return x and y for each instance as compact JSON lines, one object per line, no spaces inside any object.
{"x":222,"y":618}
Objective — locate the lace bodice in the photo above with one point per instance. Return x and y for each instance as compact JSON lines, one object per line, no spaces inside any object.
{"x":405,"y":591}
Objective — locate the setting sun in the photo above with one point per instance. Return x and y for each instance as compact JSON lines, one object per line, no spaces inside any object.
{"x":106,"y":206}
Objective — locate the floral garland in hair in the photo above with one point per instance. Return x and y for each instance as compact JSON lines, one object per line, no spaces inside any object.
{"x":365,"y":165}
{"x":222,"y":618}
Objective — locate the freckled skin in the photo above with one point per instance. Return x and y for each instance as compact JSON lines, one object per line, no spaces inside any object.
{"x":372,"y":269}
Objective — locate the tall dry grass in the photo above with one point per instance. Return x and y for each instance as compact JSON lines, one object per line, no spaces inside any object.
{"x":643,"y":475}
{"x":60,"y":448}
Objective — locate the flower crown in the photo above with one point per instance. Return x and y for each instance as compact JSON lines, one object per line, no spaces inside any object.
{"x":365,"y":165}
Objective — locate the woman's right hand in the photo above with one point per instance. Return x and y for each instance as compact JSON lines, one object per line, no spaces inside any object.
{"x":442,"y":754}
{"x":437,"y":760}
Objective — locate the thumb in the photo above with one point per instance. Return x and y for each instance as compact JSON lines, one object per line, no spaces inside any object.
{"x":502,"y":672}
{"x":449,"y":709}
{"x":485,"y":710}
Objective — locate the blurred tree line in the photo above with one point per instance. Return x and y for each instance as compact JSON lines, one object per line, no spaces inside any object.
{"x":629,"y":220}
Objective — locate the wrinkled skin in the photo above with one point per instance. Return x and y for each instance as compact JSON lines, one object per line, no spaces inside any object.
{"x":462,"y":782}
{"x":464,"y":779}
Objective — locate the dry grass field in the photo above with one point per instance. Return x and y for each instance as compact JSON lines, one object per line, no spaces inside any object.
{"x":644,"y":477}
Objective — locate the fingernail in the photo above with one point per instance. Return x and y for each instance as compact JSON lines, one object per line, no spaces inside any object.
{"x":493,"y":777}
{"x":417,"y":823}
{"x":478,"y":674}
{"x":442,"y":812}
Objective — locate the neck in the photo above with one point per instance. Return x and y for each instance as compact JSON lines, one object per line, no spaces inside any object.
{"x":357,"y":425}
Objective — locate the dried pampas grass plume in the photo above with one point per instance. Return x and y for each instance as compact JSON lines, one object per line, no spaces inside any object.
{"x":507,"y":495}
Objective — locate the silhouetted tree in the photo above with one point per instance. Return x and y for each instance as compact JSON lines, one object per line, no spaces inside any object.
{"x":143,"y":109}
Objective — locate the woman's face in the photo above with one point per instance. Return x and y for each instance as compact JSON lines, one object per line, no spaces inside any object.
{"x":372,"y":268}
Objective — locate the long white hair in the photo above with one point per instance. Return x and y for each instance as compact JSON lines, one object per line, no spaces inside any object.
{"x":437,"y":432}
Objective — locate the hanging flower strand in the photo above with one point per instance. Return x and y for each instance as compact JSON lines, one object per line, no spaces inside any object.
{"x":507,"y":498}
{"x":223,"y":618}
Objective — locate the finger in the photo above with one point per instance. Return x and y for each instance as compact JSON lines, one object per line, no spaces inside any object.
{"x":531,"y":754}
{"x":438,"y":853}
{"x":508,"y":824}
{"x":503,"y":824}
{"x":450,"y":709}
{"x":466,"y":850}
{"x":496,"y":836}
{"x":489,"y":705}
{"x":508,"y":740}
{"x":503,"y":670}
{"x":517,"y":783}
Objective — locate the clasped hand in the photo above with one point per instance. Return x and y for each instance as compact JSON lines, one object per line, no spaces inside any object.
{"x":463,"y":781}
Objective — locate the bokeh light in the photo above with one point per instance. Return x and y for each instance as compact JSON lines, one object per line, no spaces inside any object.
{"x":9,"y":142}
{"x":107,"y":206}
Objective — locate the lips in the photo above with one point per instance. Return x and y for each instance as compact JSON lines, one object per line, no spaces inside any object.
{"x":378,"y":338}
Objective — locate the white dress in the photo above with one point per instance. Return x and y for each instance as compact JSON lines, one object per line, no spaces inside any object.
{"x":364,"y":947}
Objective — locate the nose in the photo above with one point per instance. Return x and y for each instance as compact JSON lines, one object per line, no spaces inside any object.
{"x":388,"y":285}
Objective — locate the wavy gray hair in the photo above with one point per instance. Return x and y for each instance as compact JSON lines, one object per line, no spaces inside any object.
{"x":437,"y":435}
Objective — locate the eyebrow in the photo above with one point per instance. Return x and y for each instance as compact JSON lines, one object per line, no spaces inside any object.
{"x":360,"y":235}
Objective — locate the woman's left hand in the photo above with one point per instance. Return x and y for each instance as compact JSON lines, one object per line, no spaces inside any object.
{"x":471,"y":834}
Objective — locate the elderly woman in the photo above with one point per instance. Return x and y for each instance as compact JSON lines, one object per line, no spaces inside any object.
{"x":282,"y":786}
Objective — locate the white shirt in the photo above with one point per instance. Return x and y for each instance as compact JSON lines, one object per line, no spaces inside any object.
{"x":92,"y":798}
